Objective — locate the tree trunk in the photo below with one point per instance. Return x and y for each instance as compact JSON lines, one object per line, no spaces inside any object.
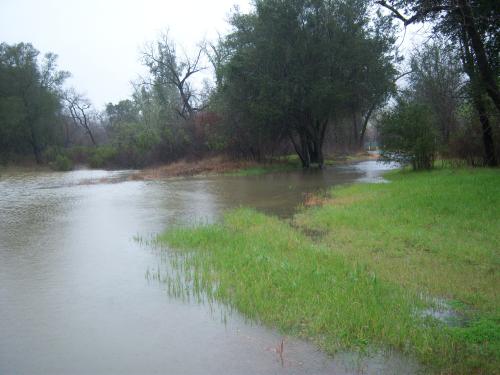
{"x":91,"y":137}
{"x":300,"y":151}
{"x":489,"y":146}
{"x":320,"y":158}
{"x":309,"y":147}
{"x":477,"y":44}
{"x":316,"y":135}
{"x":477,"y":98}
{"x":66,"y":134}
{"x":354,"y":133}
{"x":306,"y":156}
{"x":365,"y":124}
{"x":34,"y":144}
{"x":37,"y":153}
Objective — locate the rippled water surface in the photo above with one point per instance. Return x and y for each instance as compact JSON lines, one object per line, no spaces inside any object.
{"x":75,"y":299}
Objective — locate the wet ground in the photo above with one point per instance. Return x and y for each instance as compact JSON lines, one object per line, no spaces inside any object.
{"x":74,"y":293}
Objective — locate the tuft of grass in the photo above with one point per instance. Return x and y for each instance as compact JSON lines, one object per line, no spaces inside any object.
{"x":265,"y":168}
{"x":386,"y":252}
{"x":292,"y":162}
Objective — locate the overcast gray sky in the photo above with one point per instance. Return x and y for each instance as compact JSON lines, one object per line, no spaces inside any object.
{"x":99,"y":41}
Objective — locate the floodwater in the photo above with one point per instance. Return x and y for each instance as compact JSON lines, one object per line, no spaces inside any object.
{"x":74,"y":293}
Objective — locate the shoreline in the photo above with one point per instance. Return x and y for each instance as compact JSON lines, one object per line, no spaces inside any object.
{"x":218,"y":165}
{"x":434,"y":293}
{"x":214,"y":165}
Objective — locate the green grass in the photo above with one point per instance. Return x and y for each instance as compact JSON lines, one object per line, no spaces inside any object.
{"x":265,"y":168}
{"x":433,"y":231}
{"x":385,"y":250}
{"x":291,"y":163}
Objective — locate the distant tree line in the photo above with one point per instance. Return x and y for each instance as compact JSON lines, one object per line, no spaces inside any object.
{"x":309,"y":77}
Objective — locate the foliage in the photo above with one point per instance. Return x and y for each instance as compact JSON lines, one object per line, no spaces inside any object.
{"x":467,"y":143}
{"x":473,"y":28}
{"x":58,"y":159}
{"x":288,"y":76}
{"x":437,"y":80}
{"x":29,"y":100}
{"x":148,"y":128}
{"x":408,"y":135}
{"x":103,"y":156}
{"x":293,"y":66}
{"x":61,"y":163}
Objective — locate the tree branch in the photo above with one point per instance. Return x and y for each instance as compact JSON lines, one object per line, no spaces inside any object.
{"x":418,"y":16}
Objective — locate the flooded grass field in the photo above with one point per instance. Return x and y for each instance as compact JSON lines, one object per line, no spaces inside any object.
{"x":75,"y":297}
{"x":411,"y":265}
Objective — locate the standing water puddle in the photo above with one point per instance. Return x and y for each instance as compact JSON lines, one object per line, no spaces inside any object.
{"x":74,"y":298}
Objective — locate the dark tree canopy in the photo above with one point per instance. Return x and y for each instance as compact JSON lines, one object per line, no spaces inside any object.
{"x":29,"y":100}
{"x":295,"y":66}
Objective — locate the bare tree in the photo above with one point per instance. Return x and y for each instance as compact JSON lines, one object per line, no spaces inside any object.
{"x":167,"y":69}
{"x":79,"y":108}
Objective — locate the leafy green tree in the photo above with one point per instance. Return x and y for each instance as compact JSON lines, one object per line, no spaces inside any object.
{"x":296,"y":65}
{"x":148,"y":127}
{"x":408,"y":134}
{"x":29,"y":100}
{"x":437,"y":80}
{"x":124,"y":110}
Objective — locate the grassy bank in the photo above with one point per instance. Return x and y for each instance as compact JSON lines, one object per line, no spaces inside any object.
{"x":381,"y":259}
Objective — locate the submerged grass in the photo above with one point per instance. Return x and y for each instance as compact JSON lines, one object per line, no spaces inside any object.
{"x":292,"y":163}
{"x":388,"y":250}
{"x":265,"y":168}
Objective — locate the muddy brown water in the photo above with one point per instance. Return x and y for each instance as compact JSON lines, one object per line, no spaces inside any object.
{"x":74,"y":298}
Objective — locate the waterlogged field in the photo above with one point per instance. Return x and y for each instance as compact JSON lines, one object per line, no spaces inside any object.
{"x":77,"y":292}
{"x":411,"y":266}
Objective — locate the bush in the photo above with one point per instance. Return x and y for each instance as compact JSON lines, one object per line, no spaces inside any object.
{"x":80,"y":154}
{"x":58,"y":159}
{"x":103,"y":157}
{"x":61,"y":163}
{"x":466,"y":144}
{"x":408,"y":135}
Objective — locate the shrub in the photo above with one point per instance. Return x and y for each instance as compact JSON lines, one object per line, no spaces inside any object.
{"x":61,"y":163}
{"x":58,"y":159}
{"x":103,"y":157}
{"x":466,"y":144}
{"x":408,"y":135}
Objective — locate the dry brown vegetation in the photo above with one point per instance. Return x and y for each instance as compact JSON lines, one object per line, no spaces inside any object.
{"x":213,"y":165}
